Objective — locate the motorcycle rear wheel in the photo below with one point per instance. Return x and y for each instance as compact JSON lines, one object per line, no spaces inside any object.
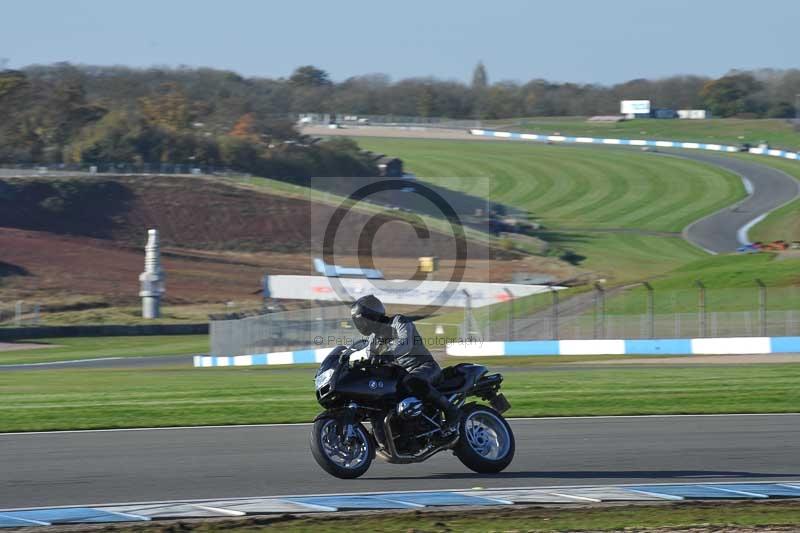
{"x":486,"y":444}
{"x":337,"y":456}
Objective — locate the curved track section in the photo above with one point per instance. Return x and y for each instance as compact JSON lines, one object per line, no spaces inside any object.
{"x":70,"y":468}
{"x":726,"y":230}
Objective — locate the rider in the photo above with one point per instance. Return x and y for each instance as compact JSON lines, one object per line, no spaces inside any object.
{"x":396,"y":338}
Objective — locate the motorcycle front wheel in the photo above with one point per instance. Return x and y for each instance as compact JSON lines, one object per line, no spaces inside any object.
{"x":342,"y":457}
{"x":486,"y":444}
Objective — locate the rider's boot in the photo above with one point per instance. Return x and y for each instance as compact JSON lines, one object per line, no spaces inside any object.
{"x":451,"y":412}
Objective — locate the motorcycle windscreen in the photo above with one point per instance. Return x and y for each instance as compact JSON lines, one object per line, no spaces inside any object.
{"x":331,"y":360}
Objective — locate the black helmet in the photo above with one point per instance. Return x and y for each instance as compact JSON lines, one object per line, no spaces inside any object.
{"x":368,"y":314}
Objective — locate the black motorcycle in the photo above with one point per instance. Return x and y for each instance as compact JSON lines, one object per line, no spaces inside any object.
{"x":355,"y":387}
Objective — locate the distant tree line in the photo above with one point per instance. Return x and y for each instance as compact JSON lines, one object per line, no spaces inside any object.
{"x":69,"y":113}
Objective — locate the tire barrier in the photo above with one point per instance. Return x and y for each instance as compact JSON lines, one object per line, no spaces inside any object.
{"x":630,"y":142}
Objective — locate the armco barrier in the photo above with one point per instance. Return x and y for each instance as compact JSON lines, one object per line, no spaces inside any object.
{"x":42,"y":332}
{"x":702,"y":346}
{"x":629,"y":142}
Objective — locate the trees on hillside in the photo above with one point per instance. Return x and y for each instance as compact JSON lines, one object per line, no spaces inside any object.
{"x":64,"y":112}
{"x":77,"y":115}
{"x":480,"y":82}
{"x":309,"y":76}
{"x":733,"y":94}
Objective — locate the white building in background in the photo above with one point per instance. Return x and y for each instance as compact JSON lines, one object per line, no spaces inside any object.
{"x":152,"y":279}
{"x":635,"y":108}
{"x":694,"y":114}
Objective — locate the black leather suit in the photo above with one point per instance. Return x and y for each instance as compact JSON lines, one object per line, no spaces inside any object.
{"x":400,"y":342}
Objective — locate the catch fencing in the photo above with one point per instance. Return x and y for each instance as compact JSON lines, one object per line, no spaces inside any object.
{"x":633,"y":312}
{"x":20,"y":313}
{"x":384,"y":120}
{"x":319,"y":328}
{"x":641,"y":312}
{"x":90,"y":169}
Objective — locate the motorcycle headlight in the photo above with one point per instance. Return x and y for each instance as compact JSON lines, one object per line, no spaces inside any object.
{"x":323,"y":379}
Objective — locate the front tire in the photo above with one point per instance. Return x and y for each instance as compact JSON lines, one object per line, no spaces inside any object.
{"x":486,"y":444}
{"x":337,"y":456}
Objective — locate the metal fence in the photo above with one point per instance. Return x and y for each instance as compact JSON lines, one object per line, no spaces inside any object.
{"x":636,"y":312}
{"x":20,"y":313}
{"x":308,"y":328}
{"x":44,"y":169}
{"x":641,"y":312}
{"x":384,"y":120}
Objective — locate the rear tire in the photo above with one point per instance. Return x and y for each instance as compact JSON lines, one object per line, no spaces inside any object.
{"x":341,"y":459}
{"x":486,"y":444}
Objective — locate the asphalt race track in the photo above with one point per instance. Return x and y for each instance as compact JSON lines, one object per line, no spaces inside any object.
{"x":771,"y":188}
{"x":145,"y":465}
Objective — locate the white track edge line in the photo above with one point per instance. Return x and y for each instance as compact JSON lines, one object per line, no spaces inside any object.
{"x":227,"y":512}
{"x":575,"y":497}
{"x":65,"y":363}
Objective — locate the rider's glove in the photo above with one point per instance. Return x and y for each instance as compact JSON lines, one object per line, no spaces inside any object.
{"x":373,"y":347}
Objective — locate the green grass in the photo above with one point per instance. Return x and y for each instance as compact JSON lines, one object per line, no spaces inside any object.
{"x":619,"y":212}
{"x":777,"y":132}
{"x":106,"y":398}
{"x":730,"y":286}
{"x":705,"y":516}
{"x":575,"y":186}
{"x":623,"y":257}
{"x":70,"y":348}
{"x":783,"y":224}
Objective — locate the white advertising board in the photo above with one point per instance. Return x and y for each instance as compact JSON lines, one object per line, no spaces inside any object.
{"x":401,"y":292}
{"x":635,"y":107}
{"x":693,"y":114}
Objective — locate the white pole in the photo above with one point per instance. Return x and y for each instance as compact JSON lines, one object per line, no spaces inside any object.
{"x":152,"y":279}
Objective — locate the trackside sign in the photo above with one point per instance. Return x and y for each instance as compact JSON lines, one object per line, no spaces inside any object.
{"x":419,"y":293}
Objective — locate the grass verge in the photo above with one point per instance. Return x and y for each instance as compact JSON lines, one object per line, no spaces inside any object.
{"x":730,"y":282}
{"x":616,"y":212}
{"x":116,"y":398}
{"x":70,"y":348}
{"x":685,"y":516}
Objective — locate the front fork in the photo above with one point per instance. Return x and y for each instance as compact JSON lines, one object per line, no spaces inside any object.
{"x":348,"y":421}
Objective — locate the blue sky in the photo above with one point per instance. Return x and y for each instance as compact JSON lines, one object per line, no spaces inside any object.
{"x":580,"y":40}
